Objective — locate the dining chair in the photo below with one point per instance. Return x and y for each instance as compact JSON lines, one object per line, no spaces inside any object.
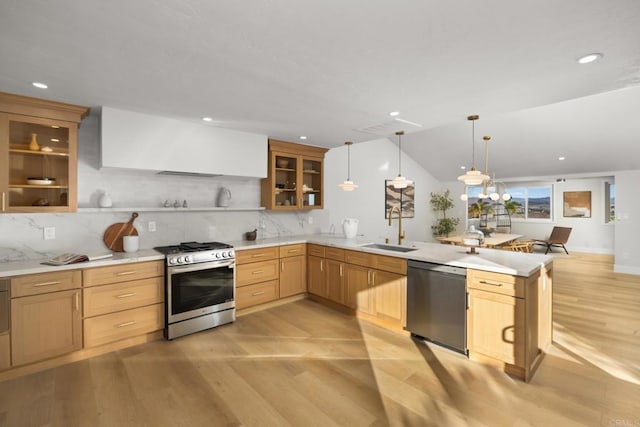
{"x":558,"y":238}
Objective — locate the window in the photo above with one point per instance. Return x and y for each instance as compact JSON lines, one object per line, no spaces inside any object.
{"x":609,"y":202}
{"x":531,"y":203}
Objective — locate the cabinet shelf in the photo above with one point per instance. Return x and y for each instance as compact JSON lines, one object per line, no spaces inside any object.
{"x":38,"y":153}
{"x":285,"y":170}
{"x":170,"y":209}
{"x":38,"y":186}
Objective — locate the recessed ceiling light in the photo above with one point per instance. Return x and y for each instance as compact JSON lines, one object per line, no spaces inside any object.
{"x":40,"y":85}
{"x":463,"y":167}
{"x":561,"y":158}
{"x":589,"y":58}
{"x":303,"y":137}
{"x":394,"y":113}
{"x":207,"y":119}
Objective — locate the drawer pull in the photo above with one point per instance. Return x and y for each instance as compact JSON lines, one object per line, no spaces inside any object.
{"x":257,"y":272}
{"x":129,"y":323}
{"x":255,"y":294}
{"x":126,"y":273}
{"x":484,"y":282}
{"x":256,"y":255}
{"x":76,"y":301}
{"x":293,"y":250}
{"x":126,"y":295}
{"x":56,"y":282}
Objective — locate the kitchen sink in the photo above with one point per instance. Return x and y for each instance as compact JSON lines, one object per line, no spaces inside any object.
{"x":389,"y":247}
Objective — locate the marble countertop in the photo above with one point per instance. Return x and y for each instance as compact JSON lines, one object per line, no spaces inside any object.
{"x":499,"y":261}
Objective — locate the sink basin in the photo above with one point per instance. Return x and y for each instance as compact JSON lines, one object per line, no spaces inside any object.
{"x":389,"y":247}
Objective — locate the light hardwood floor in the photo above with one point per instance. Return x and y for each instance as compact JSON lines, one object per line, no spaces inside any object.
{"x":302,"y":364}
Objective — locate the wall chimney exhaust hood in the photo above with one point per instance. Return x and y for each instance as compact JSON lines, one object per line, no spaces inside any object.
{"x":132,"y":140}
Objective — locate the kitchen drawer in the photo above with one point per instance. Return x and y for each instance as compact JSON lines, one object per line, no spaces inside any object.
{"x":359,"y":258}
{"x":256,"y":272}
{"x":124,"y":324}
{"x":105,"y":299}
{"x":335,"y":253}
{"x":292,"y":250}
{"x":248,"y":296}
{"x":315,"y":250}
{"x":254,"y":255}
{"x":122,"y":273}
{"x":34,"y":284}
{"x":391,"y":264}
{"x":5,"y":360}
{"x":504,"y":284}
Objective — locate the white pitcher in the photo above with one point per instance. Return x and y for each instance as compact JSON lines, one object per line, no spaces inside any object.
{"x":224,"y":196}
{"x":350,"y":227}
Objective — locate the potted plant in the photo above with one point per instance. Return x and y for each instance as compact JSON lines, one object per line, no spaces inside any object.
{"x":442,"y":203}
{"x":512,"y":206}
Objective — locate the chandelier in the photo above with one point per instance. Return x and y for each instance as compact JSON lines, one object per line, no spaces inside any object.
{"x":348,"y":185}
{"x":473,"y":177}
{"x":400,"y":181}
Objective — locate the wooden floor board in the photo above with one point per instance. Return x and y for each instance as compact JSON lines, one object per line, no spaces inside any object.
{"x":305,"y":364}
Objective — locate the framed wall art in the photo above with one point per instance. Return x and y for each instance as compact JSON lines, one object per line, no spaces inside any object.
{"x":403,"y":197}
{"x":576,"y":204}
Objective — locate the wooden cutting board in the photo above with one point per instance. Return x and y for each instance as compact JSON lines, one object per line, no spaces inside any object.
{"x":113,"y":235}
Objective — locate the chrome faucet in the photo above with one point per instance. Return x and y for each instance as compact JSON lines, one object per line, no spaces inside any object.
{"x":400,"y":231}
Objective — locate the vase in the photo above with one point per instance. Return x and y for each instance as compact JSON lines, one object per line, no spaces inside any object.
{"x":33,"y":145}
{"x":105,"y":201}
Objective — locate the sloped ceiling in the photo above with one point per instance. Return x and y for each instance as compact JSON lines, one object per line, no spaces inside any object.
{"x":323,"y":69}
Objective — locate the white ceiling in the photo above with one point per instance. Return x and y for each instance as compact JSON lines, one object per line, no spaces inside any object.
{"x":287,"y":68}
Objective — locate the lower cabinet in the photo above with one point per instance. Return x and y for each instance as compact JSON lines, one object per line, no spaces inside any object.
{"x":259,"y":293}
{"x":257,"y":276}
{"x":5,"y":352}
{"x":122,"y":301}
{"x":317,"y":276}
{"x":46,"y":316}
{"x":358,"y":283}
{"x":335,"y":280}
{"x":293,"y":270}
{"x":45,"y":325}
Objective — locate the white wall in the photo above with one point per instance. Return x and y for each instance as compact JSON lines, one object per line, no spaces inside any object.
{"x":371,"y":163}
{"x":588,"y":234}
{"x":627,"y":225}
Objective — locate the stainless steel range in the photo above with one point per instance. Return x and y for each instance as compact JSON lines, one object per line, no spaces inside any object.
{"x":200,"y":287}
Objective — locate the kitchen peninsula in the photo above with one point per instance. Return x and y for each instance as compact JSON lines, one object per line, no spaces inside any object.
{"x":509,"y":294}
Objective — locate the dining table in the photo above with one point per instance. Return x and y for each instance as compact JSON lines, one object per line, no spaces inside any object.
{"x":492,"y":241}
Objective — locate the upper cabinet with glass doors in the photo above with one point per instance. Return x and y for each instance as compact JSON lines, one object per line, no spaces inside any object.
{"x":295,"y":178}
{"x":39,"y":146}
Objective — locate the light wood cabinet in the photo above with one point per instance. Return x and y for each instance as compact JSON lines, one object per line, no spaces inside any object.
{"x":509,"y":319}
{"x":38,"y":139}
{"x":316,"y":276}
{"x":358,"y":284}
{"x":122,"y":301}
{"x":257,"y":276}
{"x":45,"y":325}
{"x":5,"y":351}
{"x":293,"y":272}
{"x":335,"y":277}
{"x":295,"y":178}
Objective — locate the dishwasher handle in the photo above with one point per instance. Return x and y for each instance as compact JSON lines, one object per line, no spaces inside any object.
{"x":440,"y":268}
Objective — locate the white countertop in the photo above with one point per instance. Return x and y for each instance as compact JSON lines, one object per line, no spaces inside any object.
{"x":499,"y":261}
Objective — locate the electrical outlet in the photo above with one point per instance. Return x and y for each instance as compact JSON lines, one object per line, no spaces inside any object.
{"x":49,"y":233}
{"x":152,"y":226}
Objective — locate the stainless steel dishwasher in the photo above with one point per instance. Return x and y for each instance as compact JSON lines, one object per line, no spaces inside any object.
{"x":437,"y":304}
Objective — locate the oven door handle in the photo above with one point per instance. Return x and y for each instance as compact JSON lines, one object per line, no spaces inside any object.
{"x":201,"y":266}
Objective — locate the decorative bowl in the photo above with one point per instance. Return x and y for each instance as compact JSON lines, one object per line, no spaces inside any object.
{"x":282,"y":163}
{"x":40,"y":180}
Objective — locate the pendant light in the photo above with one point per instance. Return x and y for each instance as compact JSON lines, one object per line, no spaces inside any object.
{"x":473,"y":177}
{"x":400,"y":181}
{"x":348,"y":185}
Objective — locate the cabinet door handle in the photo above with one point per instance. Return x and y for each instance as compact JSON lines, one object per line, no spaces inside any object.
{"x":129,"y":323}
{"x":281,"y":265}
{"x":368,"y":277}
{"x":468,"y":301}
{"x":484,"y":282}
{"x":373,"y":278}
{"x":257,"y":272}
{"x":341,"y":269}
{"x":255,"y":294}
{"x":126,"y":273}
{"x":3,"y":201}
{"x":56,"y":282}
{"x":76,"y":301}
{"x":126,"y":295}
{"x":321,"y":265}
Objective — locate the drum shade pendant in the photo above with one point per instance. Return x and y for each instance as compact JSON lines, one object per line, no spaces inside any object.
{"x":348,"y":185}
{"x":400,"y":181}
{"x":473,"y":177}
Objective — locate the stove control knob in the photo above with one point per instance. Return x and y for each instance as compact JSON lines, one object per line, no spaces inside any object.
{"x":228,"y":254}
{"x":218,"y":255}
{"x":179,"y":260}
{"x":187,"y":259}
{"x":172,"y":260}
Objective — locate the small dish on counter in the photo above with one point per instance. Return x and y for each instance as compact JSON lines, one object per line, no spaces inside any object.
{"x":41,"y":180}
